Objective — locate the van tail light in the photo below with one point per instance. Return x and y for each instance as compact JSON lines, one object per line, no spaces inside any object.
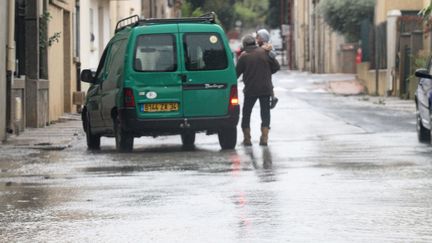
{"x":128,"y":97}
{"x":233,"y":100}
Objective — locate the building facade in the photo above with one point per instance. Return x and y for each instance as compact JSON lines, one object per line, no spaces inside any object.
{"x":404,"y":31}
{"x":32,"y":64}
{"x":96,"y":24}
{"x":61,"y":65}
{"x":316,"y":47}
{"x":382,"y":7}
{"x":160,"y":8}
{"x":46,"y":45}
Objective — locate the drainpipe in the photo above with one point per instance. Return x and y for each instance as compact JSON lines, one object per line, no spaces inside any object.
{"x":11,"y":34}
{"x":392,"y":17}
{"x":151,"y":9}
{"x":10,"y":61}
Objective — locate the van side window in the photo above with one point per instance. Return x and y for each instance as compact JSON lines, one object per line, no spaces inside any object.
{"x":204,"y":51}
{"x":115,"y":63}
{"x":155,"y":53}
{"x":99,"y":70}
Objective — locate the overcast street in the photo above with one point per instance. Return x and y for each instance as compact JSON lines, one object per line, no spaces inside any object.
{"x":337,"y":169}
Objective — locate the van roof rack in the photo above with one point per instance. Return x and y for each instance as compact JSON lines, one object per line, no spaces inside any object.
{"x":134,"y":20}
{"x":126,"y":22}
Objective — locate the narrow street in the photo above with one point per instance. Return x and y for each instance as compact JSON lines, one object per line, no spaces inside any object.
{"x":337,"y":169}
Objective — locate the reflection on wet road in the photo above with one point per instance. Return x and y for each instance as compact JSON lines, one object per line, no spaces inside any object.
{"x":322,"y":179}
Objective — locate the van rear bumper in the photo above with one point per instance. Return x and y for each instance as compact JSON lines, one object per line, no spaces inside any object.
{"x":154,"y":127}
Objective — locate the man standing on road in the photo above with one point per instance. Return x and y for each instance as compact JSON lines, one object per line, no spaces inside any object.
{"x":256,"y":66}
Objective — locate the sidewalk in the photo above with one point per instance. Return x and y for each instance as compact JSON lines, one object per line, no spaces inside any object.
{"x":57,"y":136}
{"x":346,"y":87}
{"x":391,"y":102}
{"x":356,"y":88}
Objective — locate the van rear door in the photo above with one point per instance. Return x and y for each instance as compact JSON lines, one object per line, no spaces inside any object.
{"x":207,"y":71}
{"x":156,"y":79}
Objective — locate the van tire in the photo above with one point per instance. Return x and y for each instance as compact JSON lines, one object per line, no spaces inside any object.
{"x":93,"y":141}
{"x":228,"y":137}
{"x":124,"y":141}
{"x":188,"y":138}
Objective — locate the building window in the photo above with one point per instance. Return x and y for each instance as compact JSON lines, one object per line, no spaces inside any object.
{"x":92,"y":31}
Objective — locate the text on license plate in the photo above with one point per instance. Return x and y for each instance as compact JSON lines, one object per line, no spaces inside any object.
{"x":160,"y":107}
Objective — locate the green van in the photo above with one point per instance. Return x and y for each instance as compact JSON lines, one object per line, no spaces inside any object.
{"x":163,"y":77}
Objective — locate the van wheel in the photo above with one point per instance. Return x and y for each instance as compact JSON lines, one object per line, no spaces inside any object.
{"x":124,"y":141}
{"x":188,"y":138}
{"x":93,"y":141}
{"x":228,"y":137}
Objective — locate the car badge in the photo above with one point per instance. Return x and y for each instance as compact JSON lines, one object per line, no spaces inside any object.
{"x":214,"y":86}
{"x":151,"y":95}
{"x":213,"y":39}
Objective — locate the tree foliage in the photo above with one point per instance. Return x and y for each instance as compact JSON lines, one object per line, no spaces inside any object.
{"x":273,"y":16}
{"x":189,"y":11}
{"x":345,"y":16}
{"x":196,"y":3}
{"x":251,"y":13}
{"x":224,"y":11}
{"x":426,"y":13}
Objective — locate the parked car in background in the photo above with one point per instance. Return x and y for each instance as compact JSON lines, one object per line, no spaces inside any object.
{"x":423,"y":100}
{"x":163,"y":77}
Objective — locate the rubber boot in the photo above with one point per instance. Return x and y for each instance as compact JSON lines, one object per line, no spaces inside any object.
{"x":264,"y":136}
{"x":247,"y":137}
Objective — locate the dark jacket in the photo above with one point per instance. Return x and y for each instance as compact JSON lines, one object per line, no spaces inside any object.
{"x":257,"y":67}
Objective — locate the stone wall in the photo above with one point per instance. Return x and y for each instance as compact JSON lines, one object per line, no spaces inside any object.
{"x":369,"y":79}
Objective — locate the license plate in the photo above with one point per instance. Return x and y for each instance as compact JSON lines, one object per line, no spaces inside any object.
{"x":160,"y":107}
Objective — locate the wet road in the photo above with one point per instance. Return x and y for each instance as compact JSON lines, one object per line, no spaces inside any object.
{"x":337,"y":169}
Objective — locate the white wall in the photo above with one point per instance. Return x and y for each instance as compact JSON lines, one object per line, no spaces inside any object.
{"x":120,"y":9}
{"x":112,"y":11}
{"x":84,"y":40}
{"x":101,"y":26}
{"x":91,"y":51}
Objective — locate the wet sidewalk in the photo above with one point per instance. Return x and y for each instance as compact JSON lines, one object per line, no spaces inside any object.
{"x":356,"y":89}
{"x":57,"y":136}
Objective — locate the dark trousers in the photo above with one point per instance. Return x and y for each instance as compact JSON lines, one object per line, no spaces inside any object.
{"x":249,"y":103}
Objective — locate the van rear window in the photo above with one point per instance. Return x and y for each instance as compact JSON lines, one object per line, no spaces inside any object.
{"x":155,"y":53}
{"x":204,"y":51}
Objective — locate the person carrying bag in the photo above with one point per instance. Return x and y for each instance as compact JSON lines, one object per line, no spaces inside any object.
{"x":256,"y":66}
